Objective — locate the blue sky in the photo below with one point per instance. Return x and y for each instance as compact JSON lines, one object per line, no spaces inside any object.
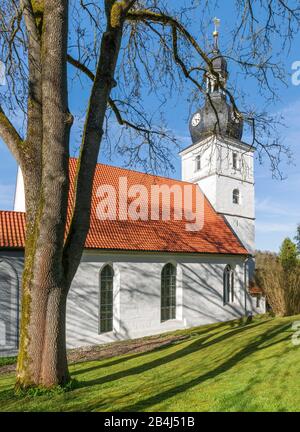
{"x":277,"y":202}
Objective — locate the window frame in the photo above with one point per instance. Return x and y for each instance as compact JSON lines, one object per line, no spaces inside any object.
{"x":106,"y":324}
{"x":236,"y":196}
{"x":235,"y":161}
{"x":198,"y":163}
{"x":228,"y":285}
{"x":168,"y":293}
{"x":14,"y":299}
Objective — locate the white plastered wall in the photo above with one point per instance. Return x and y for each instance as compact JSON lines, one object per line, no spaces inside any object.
{"x":137,"y":295}
{"x":19,"y":201}
{"x":217,"y":179}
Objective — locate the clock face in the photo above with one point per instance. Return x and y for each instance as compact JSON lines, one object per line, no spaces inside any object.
{"x":196,"y":119}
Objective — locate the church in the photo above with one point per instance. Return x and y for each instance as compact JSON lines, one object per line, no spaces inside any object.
{"x":141,"y":276}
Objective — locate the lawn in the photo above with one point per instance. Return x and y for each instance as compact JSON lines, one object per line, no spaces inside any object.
{"x":220,"y":367}
{"x":4,"y":361}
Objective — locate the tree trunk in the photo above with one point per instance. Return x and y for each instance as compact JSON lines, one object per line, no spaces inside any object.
{"x":42,"y":353}
{"x":43,"y":362}
{"x":42,"y":357}
{"x":54,"y":367}
{"x":50,"y":261}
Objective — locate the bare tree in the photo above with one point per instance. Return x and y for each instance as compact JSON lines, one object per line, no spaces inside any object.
{"x":127,"y":49}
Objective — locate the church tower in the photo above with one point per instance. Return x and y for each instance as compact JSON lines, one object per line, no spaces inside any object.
{"x":218,"y":160}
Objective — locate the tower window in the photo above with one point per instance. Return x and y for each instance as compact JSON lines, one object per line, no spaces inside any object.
{"x":235,"y":161}
{"x":228,"y":285}
{"x":198,"y":163}
{"x":236,"y":196}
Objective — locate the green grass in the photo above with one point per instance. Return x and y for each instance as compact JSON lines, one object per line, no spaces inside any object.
{"x":4,"y":361}
{"x":220,"y":367}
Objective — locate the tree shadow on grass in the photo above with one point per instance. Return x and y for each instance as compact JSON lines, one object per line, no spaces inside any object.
{"x":128,"y":357}
{"x":224,"y":367}
{"x":6,"y":397}
{"x":189,"y":349}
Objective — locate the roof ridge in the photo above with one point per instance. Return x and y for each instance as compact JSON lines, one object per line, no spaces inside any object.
{"x":12,"y":211}
{"x":214,"y":237}
{"x":138,"y":172}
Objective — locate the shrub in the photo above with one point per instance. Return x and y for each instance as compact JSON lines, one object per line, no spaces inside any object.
{"x":288,"y":255}
{"x":280,"y":281}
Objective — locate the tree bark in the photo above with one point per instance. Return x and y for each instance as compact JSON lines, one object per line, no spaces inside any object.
{"x":54,"y":367}
{"x":42,"y":352}
{"x":42,"y":357}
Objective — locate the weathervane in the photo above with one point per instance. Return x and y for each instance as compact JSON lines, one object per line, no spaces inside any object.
{"x":216,"y":22}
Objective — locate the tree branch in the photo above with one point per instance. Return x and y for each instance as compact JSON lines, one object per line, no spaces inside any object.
{"x":10,"y":136}
{"x":80,"y":66}
{"x":32,"y":164}
{"x":30,"y":22}
{"x":112,"y":104}
{"x":91,"y":140}
{"x":147,"y":15}
{"x":176,"y":26}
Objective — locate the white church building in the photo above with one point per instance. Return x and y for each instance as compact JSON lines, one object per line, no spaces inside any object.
{"x":145,"y":275}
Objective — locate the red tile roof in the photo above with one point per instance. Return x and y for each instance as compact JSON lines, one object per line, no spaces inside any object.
{"x":12,"y":229}
{"x":137,"y":235}
{"x":254,"y":289}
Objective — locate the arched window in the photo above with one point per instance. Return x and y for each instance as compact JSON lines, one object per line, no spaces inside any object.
{"x":9,"y":305}
{"x":236,"y":196}
{"x":168,"y":292}
{"x":198,"y":163}
{"x":228,"y":285}
{"x":106,"y":299}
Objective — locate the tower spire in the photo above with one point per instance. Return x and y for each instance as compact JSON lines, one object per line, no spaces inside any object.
{"x":205,"y":121}
{"x":219,"y":65}
{"x":216,"y":22}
